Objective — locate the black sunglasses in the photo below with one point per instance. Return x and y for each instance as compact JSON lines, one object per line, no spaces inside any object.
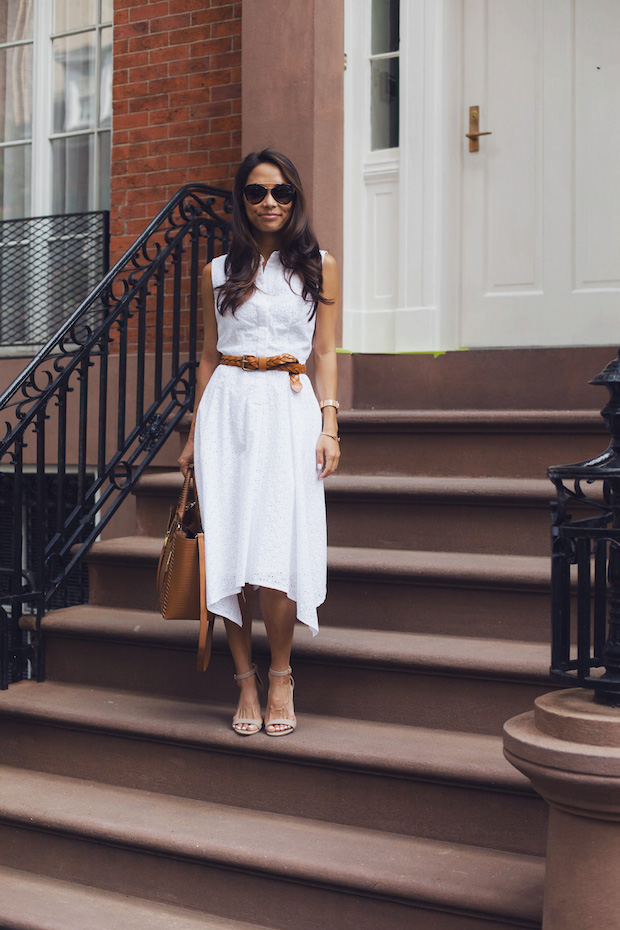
{"x":282,"y":193}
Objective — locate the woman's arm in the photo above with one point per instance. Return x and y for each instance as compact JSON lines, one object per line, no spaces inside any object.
{"x":326,"y":369}
{"x":209,"y":361}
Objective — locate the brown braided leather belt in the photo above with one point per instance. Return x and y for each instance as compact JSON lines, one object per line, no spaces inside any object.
{"x":268,"y":363}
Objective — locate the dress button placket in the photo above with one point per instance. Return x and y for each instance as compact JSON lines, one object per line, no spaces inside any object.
{"x":262,"y":331}
{"x":263,"y":312}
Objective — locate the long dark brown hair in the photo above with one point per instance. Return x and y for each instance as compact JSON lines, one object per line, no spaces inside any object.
{"x":299,"y":249}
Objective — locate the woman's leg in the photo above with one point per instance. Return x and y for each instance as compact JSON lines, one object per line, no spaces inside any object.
{"x":279,"y":614}
{"x":240,"y":645}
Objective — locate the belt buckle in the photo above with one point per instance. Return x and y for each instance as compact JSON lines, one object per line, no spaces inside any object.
{"x":243,"y":358}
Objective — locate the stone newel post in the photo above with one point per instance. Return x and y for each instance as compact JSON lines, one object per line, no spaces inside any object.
{"x":569,"y":745}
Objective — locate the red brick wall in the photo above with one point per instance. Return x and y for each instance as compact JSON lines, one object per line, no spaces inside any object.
{"x":177,"y":104}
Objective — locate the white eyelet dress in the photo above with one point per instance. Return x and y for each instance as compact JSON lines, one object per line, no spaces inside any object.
{"x":261,"y":500}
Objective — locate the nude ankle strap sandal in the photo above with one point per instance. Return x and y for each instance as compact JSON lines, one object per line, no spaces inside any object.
{"x":256,"y":723}
{"x":289,"y":722}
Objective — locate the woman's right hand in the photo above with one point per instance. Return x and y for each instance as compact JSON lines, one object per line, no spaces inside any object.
{"x":186,"y":457}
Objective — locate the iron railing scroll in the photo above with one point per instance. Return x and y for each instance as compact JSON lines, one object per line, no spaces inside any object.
{"x":585,"y":568}
{"x":95,"y":406}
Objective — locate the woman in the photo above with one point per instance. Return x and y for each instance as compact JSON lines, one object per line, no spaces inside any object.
{"x":257,"y":440}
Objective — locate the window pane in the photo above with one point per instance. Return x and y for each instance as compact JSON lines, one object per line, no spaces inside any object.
{"x":15,"y":182}
{"x":106,"y":11}
{"x":72,"y":172}
{"x":74,"y":14}
{"x":16,"y":93}
{"x":385,"y":26}
{"x":105,"y":84}
{"x":74,"y":82}
{"x":15,"y":20}
{"x":384,"y":104}
{"x":104,"y":171}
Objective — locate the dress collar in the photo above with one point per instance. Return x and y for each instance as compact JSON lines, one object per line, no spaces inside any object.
{"x":264,"y":263}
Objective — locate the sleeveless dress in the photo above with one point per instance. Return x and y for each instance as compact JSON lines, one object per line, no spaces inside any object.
{"x":261,"y":500}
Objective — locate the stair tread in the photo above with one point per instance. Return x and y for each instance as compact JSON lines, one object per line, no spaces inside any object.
{"x":568,"y":415}
{"x":137,"y":550}
{"x":466,"y":420}
{"x":422,"y":487}
{"x":479,"y":881}
{"x":491,"y":658}
{"x":451,"y":568}
{"x":490,"y":490}
{"x":446,"y":490}
{"x":35,"y":902}
{"x":389,"y":749}
{"x":152,"y":481}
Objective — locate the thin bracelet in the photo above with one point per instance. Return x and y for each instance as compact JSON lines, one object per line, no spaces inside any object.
{"x":331,"y":435}
{"x":329,"y":403}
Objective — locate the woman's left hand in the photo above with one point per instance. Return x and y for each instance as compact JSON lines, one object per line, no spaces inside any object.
{"x":327,"y":455}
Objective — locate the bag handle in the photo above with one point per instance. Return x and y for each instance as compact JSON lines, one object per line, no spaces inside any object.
{"x":182,"y":503}
{"x":196,"y":504}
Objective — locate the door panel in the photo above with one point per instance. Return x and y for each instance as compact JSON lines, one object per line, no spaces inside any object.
{"x":513,"y":184}
{"x":541,"y":200}
{"x":596,"y":130}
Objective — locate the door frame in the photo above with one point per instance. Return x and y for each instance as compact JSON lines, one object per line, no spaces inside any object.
{"x":423,"y":177}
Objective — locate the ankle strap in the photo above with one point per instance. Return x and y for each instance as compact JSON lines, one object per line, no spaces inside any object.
{"x":253,"y":671}
{"x":283,"y":674}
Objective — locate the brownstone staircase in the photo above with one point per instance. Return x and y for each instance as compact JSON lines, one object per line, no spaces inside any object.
{"x":127,"y":801}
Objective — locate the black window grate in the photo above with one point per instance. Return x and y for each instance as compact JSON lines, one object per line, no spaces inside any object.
{"x":74,"y":589}
{"x":48,"y":266}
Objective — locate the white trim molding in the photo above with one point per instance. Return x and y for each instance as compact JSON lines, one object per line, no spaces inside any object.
{"x":397,"y":296}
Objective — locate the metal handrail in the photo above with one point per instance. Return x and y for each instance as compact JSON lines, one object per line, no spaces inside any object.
{"x":142,"y":358}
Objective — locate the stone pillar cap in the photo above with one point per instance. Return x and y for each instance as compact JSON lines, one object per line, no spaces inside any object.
{"x":567,"y":730}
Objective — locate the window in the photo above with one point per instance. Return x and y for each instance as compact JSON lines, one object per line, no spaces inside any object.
{"x":395,"y":122}
{"x":16,"y":55}
{"x":55,"y":106}
{"x":374,"y":153}
{"x":82,"y":106}
{"x":55,"y":126}
{"x":384,"y":74}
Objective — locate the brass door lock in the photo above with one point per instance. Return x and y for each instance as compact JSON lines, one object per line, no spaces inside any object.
{"x":474,"y":132}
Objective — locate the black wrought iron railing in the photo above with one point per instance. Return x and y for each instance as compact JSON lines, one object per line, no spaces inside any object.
{"x":94,"y":407}
{"x":585,"y":567}
{"x":48,"y":266}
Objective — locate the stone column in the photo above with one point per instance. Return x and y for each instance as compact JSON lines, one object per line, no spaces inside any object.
{"x":569,"y":747}
{"x":292,"y":70}
{"x":293,"y":101}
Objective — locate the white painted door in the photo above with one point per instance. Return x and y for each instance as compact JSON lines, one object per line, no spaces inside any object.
{"x":541,"y":198}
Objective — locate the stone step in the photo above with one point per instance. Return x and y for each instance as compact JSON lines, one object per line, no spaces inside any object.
{"x":494,"y":515}
{"x":478,"y":443}
{"x":462,"y":594}
{"x":454,"y":683}
{"x":224,"y":860}
{"x":497,"y":516}
{"x":156,"y":492}
{"x":454,"y":787}
{"x":499,"y":596}
{"x":481,"y":379}
{"x":33,"y":902}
